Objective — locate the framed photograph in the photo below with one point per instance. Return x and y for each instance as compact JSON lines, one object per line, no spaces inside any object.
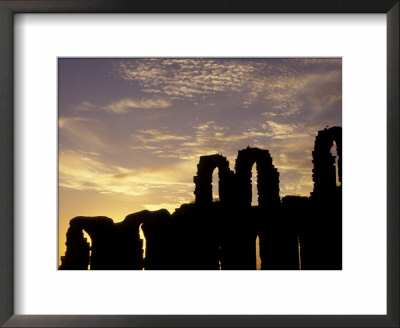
{"x":191,"y":158}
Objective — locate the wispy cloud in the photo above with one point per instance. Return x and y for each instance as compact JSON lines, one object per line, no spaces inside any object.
{"x":85,"y":171}
{"x":189,"y":79}
{"x":83,"y":133}
{"x":124,"y":105}
{"x":285,"y":87}
{"x":289,"y":144}
{"x":85,"y":106}
{"x":156,"y":136}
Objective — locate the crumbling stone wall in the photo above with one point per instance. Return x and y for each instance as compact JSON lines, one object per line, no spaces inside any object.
{"x":117,"y":246}
{"x":156,"y":228}
{"x":203,"y":179}
{"x":101,"y":232}
{"x":77,"y":255}
{"x":235,"y":188}
{"x":323,"y":235}
{"x":267,"y":177}
{"x":324,"y":175}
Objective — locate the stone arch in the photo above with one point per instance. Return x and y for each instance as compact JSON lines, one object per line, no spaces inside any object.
{"x":324,"y":175}
{"x":156,"y":227}
{"x":203,"y":179}
{"x":100,"y":229}
{"x":77,"y":255}
{"x":267,"y":177}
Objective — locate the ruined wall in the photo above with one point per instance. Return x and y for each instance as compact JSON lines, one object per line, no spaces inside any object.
{"x":203,"y":179}
{"x":128,"y":245}
{"x":100,"y":230}
{"x":156,"y":228}
{"x":324,"y":175}
{"x":117,"y":246}
{"x":110,"y":244}
{"x":77,"y":256}
{"x":323,"y":233}
{"x":267,"y":177}
{"x":235,"y":188}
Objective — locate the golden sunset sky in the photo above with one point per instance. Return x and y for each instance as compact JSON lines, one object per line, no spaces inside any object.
{"x":131,"y":131}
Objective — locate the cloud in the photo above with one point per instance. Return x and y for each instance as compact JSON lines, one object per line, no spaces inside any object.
{"x":65,"y":122}
{"x":85,"y":106}
{"x":156,"y":136}
{"x":170,"y":184}
{"x":290,"y":146}
{"x":279,"y":129}
{"x":186,"y":78}
{"x":124,"y":105}
{"x":83,"y":133}
{"x":284,"y":86}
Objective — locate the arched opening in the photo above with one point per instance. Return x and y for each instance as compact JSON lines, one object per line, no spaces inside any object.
{"x":215,"y":185}
{"x":254,"y":190}
{"x":334,"y":153}
{"x":206,"y":191}
{"x":299,"y":251}
{"x":87,"y":239}
{"x":258,"y":257}
{"x":143,"y":239}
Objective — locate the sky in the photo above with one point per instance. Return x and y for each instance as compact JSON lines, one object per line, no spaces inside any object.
{"x":131,"y":131}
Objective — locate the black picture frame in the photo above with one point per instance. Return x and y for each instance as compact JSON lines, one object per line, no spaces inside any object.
{"x":10,"y":7}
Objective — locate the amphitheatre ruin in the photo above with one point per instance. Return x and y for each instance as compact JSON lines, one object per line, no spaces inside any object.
{"x":209,"y":235}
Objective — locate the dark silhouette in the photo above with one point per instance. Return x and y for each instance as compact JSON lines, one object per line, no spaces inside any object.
{"x":295,"y":232}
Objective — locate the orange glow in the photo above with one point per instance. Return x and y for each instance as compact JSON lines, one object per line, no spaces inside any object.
{"x":143,"y":238}
{"x":131,"y":131}
{"x":258,"y":257}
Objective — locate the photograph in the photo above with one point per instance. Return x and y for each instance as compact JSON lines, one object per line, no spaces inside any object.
{"x":199,"y":163}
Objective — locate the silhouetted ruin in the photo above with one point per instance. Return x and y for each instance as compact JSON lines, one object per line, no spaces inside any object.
{"x":206,"y":235}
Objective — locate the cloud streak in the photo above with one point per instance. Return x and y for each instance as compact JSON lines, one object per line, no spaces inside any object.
{"x":86,"y":171}
{"x":289,"y":144}
{"x":285,"y":86}
{"x":124,"y":105}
